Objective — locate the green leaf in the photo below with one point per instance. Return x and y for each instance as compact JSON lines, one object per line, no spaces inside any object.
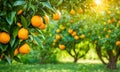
{"x":41,"y":33}
{"x":10,"y":17}
{"x":19,"y":2}
{"x":3,"y":47}
{"x":17,"y":59}
{"x":12,"y":41}
{"x":8,"y":59}
{"x":38,"y":41}
{"x":60,"y":2}
{"x":47,"y":4}
{"x":24,"y":22}
{"x":15,"y":32}
{"x":3,"y":13}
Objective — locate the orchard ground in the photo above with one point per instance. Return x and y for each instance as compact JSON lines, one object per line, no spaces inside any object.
{"x":81,"y":66}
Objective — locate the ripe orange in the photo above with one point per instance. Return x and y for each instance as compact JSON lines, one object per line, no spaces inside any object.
{"x":109,"y":12}
{"x":16,"y":52}
{"x":24,"y":49}
{"x":46,"y":19}
{"x":20,"y":12}
{"x":109,"y":31}
{"x":63,"y":28}
{"x":4,"y":37}
{"x":113,"y":20}
{"x":80,"y":10}
{"x":74,"y":33}
{"x":118,"y":23}
{"x":117,"y":43}
{"x":70,"y":31}
{"x":76,"y":37}
{"x":82,"y":36}
{"x":109,"y":21}
{"x":55,"y":41}
{"x":36,"y":21}
{"x":23,"y":34}
{"x":19,"y":24}
{"x":72,"y":12}
{"x":42,"y":26}
{"x":58,"y":37}
{"x":58,"y":31}
{"x":57,"y":15}
{"x":61,"y":46}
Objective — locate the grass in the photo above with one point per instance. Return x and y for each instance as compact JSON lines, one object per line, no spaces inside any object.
{"x":60,"y":67}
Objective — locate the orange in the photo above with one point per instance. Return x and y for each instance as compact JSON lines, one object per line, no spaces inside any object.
{"x":118,"y":23}
{"x":74,"y":33}
{"x":42,"y":26}
{"x":80,"y":10}
{"x":58,"y":31}
{"x":20,"y":12}
{"x":72,"y":21}
{"x":4,"y":37}
{"x":36,"y":21}
{"x":55,"y":41}
{"x":46,"y":19}
{"x":23,"y":34}
{"x":53,"y":44}
{"x":82,"y":36}
{"x":109,"y":21}
{"x":63,"y":28}
{"x":24,"y":49}
{"x":70,"y":31}
{"x":109,"y":12}
{"x":16,"y":52}
{"x":104,"y":29}
{"x":61,"y":46}
{"x":19,"y":24}
{"x":113,"y":20}
{"x":58,"y":37}
{"x":109,"y":31}
{"x":107,"y":36}
{"x":76,"y":37}
{"x":72,"y":12}
{"x":57,"y":15}
{"x":117,"y":43}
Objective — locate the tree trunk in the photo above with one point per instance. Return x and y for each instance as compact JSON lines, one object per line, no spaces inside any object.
{"x":99,"y":53}
{"x":112,"y":64}
{"x":75,"y":59}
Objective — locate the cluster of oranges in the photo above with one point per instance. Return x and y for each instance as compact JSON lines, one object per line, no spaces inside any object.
{"x":36,"y":21}
{"x":73,"y":12}
{"x":58,"y":37}
{"x":74,"y":34}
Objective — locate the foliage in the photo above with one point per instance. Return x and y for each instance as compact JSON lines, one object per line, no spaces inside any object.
{"x":15,"y":15}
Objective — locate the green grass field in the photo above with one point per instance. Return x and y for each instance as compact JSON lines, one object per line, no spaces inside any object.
{"x":60,"y":67}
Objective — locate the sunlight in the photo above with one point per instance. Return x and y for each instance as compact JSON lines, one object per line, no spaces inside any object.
{"x":98,"y":2}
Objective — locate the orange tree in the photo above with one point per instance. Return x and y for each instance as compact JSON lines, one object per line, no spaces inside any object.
{"x":20,"y":21}
{"x":102,"y":19}
{"x":68,"y":34}
{"x":104,"y":33}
